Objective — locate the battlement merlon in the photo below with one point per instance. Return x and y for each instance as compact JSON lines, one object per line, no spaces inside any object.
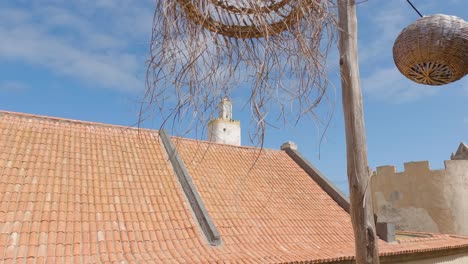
{"x":410,"y":167}
{"x":419,"y":167}
{"x":386,"y":169}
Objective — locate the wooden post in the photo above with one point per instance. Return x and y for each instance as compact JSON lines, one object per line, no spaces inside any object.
{"x":362,"y":213}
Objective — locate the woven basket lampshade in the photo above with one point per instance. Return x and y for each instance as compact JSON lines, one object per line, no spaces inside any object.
{"x":433,"y":50}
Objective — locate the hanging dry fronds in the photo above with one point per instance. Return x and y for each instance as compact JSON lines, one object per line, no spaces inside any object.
{"x":202,"y":49}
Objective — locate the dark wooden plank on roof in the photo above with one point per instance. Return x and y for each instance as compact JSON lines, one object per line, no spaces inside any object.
{"x":319,"y":178}
{"x":196,"y":203}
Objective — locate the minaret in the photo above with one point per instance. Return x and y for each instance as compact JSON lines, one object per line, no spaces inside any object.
{"x":224,"y":129}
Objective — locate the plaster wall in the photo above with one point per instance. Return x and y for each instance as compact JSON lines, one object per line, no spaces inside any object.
{"x":421,"y":199}
{"x":224,"y":131}
{"x":452,"y":259}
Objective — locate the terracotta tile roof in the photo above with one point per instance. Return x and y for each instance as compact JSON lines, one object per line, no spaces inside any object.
{"x":73,"y":191}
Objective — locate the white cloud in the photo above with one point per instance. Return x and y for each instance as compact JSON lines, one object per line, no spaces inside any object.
{"x":381,"y":79}
{"x":76,"y":42}
{"x":387,"y":21}
{"x":389,"y":85}
{"x":12,"y":86}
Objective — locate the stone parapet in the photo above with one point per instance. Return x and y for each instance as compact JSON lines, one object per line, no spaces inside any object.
{"x":421,"y":199}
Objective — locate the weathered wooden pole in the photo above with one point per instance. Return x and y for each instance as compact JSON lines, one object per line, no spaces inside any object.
{"x":362,"y":213}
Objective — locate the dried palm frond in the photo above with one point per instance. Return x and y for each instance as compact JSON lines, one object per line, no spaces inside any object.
{"x":201,"y":50}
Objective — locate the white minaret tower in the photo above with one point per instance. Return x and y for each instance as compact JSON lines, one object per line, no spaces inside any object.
{"x":224,"y":129}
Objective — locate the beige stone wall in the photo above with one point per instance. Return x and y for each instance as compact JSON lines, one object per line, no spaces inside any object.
{"x":420,"y":199}
{"x":453,"y":259}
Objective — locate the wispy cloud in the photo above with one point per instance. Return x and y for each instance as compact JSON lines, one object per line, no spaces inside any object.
{"x":13,"y":86}
{"x":61,"y":39}
{"x":388,"y":85}
{"x":387,"y":21}
{"x":381,"y":80}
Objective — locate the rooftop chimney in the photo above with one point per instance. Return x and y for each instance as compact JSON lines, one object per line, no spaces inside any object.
{"x":224,"y":129}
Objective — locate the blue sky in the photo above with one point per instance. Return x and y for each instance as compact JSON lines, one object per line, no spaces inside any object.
{"x":86,"y":60}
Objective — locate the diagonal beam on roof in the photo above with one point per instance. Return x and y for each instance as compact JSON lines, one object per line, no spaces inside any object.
{"x":190,"y":191}
{"x":318,"y":177}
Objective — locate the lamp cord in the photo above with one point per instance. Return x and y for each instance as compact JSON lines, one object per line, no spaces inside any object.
{"x":415,"y":9}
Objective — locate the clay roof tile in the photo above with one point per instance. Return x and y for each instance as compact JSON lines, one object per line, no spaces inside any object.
{"x":89,"y":192}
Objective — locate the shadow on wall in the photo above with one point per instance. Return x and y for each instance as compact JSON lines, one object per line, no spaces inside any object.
{"x":421,"y":199}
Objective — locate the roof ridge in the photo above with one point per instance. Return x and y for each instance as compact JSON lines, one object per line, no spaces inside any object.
{"x":224,"y":144}
{"x":70,"y":120}
{"x":107,"y":125}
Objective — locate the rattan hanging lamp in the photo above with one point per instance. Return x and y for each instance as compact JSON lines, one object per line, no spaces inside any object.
{"x":433,"y":50}
{"x":248,"y":18}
